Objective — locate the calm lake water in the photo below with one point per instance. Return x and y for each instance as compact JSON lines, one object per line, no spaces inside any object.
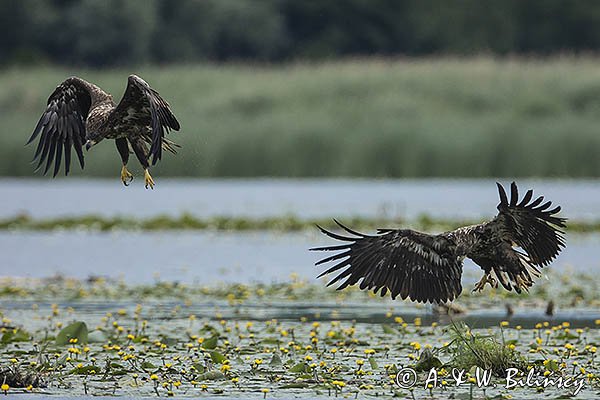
{"x":200,"y":257}
{"x":208,"y":257}
{"x":580,"y":199}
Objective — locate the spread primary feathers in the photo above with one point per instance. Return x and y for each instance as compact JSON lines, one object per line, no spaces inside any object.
{"x":524,"y":236}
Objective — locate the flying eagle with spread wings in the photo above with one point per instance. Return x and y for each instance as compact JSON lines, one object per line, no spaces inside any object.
{"x":79,"y":113}
{"x":524,"y":237}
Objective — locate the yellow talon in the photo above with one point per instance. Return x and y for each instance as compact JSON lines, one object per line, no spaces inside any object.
{"x":148,"y":179}
{"x":486,"y":278}
{"x":126,"y":176}
{"x":522,"y":283}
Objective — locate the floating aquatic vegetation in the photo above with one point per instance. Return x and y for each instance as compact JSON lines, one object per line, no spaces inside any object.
{"x":486,"y":351}
{"x":565,"y":291}
{"x":283,"y":223}
{"x":105,"y":337}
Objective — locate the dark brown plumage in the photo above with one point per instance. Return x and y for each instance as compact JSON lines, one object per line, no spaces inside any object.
{"x":522,"y":238}
{"x":79,"y":113}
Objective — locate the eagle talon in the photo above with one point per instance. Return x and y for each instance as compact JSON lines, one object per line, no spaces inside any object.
{"x":525,"y":236}
{"x":126,"y":176}
{"x":522,"y":283}
{"x":148,"y":179}
{"x":486,"y":278}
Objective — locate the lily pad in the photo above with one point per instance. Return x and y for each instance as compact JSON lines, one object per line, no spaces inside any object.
{"x":217,"y":357}
{"x":15,"y":335}
{"x":275,"y":360}
{"x":211,"y":343}
{"x":298,"y":368}
{"x":212,"y":376}
{"x":77,"y":330}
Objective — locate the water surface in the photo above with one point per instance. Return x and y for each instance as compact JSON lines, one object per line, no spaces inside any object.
{"x":307,"y":198}
{"x":202,"y":257}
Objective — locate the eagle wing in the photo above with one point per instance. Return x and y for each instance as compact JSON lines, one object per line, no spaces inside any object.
{"x":527,"y":235}
{"x":531,"y":224}
{"x":404,"y":262}
{"x":62,"y":126}
{"x":143,"y":106}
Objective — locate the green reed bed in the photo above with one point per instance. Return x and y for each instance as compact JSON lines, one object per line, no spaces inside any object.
{"x":472,"y":117}
{"x":282,"y":223}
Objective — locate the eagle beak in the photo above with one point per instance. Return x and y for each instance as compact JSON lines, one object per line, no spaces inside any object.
{"x":89,"y":144}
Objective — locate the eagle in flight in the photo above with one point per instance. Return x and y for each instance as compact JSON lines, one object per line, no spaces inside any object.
{"x":79,"y":113}
{"x":524,"y":236}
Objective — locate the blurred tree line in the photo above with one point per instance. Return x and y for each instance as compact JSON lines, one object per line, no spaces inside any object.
{"x":119,"y":32}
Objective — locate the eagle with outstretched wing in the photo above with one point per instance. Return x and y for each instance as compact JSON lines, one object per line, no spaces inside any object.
{"x":525,"y":236}
{"x":80,"y":114}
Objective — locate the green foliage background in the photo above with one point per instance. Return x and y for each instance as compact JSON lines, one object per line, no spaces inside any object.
{"x":127,"y":32}
{"x":472,"y":117}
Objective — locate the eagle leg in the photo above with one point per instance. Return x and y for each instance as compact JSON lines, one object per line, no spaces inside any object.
{"x":126,"y":176}
{"x":486,"y":278}
{"x":148,"y":179}
{"x":123,"y":148}
{"x":493,"y":282}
